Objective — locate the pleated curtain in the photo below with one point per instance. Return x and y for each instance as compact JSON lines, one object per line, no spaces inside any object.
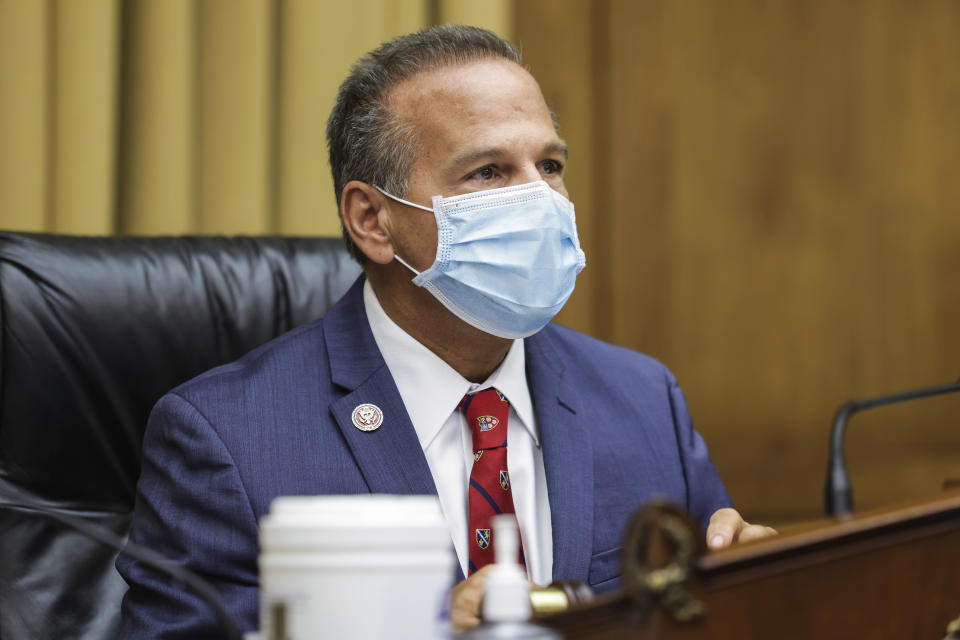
{"x":184,"y":116}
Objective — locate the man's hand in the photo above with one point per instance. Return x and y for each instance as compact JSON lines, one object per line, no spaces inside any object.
{"x":466,"y":599}
{"x":727,"y":527}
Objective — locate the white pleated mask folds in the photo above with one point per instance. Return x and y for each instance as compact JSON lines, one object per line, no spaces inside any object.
{"x":507,"y":259}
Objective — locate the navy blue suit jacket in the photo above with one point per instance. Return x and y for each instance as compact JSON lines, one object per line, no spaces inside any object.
{"x":614,"y":428}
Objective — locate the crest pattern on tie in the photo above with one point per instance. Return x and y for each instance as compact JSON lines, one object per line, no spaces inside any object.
{"x":490,"y":492}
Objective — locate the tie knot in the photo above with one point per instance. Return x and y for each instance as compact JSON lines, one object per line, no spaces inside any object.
{"x":487,"y":413}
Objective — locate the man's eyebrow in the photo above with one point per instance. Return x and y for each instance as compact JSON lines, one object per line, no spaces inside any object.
{"x":558,"y":146}
{"x":474,"y":157}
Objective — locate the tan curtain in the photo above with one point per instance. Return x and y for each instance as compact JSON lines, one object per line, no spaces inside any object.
{"x":184,"y":116}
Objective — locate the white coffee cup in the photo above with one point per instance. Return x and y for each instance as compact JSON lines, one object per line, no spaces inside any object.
{"x":369,"y":566}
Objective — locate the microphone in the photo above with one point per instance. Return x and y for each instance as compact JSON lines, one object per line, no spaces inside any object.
{"x":838,"y":492}
{"x":147,"y":556}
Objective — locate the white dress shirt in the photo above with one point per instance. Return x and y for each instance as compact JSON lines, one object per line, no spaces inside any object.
{"x":431,"y":390}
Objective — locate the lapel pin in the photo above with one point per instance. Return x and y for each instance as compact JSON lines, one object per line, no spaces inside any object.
{"x":367,"y":417}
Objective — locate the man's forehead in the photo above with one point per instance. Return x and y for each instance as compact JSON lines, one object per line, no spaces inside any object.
{"x":454,"y":76}
{"x":475,"y":97}
{"x":465,"y":87}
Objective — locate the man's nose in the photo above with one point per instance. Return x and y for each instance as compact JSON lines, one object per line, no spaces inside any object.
{"x":527,"y":173}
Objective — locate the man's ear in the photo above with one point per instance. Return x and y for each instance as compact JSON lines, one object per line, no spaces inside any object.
{"x":360,"y":206}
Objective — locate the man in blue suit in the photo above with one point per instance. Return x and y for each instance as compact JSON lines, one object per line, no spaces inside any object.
{"x":453,"y":303}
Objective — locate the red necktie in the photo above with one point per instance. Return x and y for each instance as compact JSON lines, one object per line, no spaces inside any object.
{"x":490,"y":492}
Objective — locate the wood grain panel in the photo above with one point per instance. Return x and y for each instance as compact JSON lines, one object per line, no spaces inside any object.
{"x":557,"y":47}
{"x":775,"y":202}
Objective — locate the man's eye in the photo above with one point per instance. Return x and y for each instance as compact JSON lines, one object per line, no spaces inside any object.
{"x":551,"y":166}
{"x":487,"y":173}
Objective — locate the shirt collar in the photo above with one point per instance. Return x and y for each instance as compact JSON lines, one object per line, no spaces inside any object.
{"x":430,"y":388}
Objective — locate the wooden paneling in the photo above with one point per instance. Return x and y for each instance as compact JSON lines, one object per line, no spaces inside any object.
{"x":769,"y":205}
{"x":557,"y":46}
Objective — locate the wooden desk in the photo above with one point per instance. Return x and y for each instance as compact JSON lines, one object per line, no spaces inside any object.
{"x":885,"y":574}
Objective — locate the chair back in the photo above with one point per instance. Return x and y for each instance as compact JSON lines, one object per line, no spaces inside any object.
{"x":93,"y":330}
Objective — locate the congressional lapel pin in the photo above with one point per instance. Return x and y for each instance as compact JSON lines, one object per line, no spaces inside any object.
{"x":367,"y":417}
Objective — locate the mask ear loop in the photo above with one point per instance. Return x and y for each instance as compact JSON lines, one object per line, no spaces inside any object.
{"x":401,"y":200}
{"x":404,"y":263}
{"x":409,"y":204}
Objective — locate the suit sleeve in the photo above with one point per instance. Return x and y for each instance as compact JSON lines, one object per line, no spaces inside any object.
{"x":705,"y":490}
{"x":191,"y":507}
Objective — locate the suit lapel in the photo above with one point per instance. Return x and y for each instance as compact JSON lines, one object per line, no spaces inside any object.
{"x":567,"y":459}
{"x":390,"y":458}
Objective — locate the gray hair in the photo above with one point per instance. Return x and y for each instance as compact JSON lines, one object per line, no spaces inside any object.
{"x":369,"y":143}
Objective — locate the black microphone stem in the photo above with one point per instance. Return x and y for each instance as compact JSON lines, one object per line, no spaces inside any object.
{"x":839,"y":494}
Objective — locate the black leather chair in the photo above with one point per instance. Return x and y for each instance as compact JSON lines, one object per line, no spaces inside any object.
{"x":92,"y":332}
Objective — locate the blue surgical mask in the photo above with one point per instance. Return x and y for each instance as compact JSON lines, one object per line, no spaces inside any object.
{"x":507,"y":259}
